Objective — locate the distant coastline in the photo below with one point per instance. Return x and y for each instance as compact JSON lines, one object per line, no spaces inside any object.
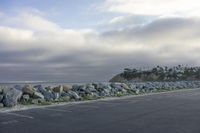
{"x":158,"y":73}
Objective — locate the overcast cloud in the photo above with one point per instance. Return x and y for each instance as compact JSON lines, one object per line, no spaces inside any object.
{"x":132,"y":33}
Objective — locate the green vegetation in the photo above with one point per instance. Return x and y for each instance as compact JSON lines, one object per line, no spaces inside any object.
{"x":45,"y":103}
{"x":28,"y":102}
{"x":159,"y":73}
{"x":119,"y":94}
{"x":89,"y":97}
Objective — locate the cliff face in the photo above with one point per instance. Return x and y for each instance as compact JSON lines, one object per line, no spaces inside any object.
{"x":158,"y":73}
{"x":122,"y":79}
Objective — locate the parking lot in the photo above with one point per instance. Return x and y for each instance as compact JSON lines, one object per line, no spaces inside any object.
{"x":173,"y":112}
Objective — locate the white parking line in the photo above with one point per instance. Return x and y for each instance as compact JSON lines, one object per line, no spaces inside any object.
{"x":58,"y":110}
{"x":19,"y":115}
{"x":9,"y":122}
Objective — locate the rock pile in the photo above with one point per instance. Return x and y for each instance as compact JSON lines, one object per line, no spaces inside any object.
{"x":41,"y":95}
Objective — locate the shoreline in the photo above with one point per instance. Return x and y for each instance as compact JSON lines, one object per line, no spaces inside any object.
{"x":21,"y":107}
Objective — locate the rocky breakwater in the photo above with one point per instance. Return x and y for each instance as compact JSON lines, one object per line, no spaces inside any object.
{"x":40,"y":95}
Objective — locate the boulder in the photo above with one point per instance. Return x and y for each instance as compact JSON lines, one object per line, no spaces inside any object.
{"x":58,"y":89}
{"x":48,"y":96}
{"x":67,"y":88}
{"x":137,"y":91}
{"x":1,"y":105}
{"x":46,"y":92}
{"x":104,"y":86}
{"x":132,"y":86}
{"x":37,"y":101}
{"x":91,"y":88}
{"x":117,"y":87}
{"x":104,"y":89}
{"x":38,"y":95}
{"x":75,"y":87}
{"x":63,"y":94}
{"x":65,"y":98}
{"x":56,"y":95}
{"x":11,"y":97}
{"x":28,"y":89}
{"x":104,"y":93}
{"x":82,"y":90}
{"x":34,"y":101}
{"x":125,"y":86}
{"x":25,"y":97}
{"x":18,"y":87}
{"x":1,"y":98}
{"x":49,"y":88}
{"x":96,"y":86}
{"x":39,"y":88}
{"x":74,"y":95}
{"x":1,"y":90}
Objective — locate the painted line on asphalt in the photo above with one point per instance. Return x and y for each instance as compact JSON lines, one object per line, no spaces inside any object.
{"x":9,"y":122}
{"x":19,"y":115}
{"x":58,"y":110}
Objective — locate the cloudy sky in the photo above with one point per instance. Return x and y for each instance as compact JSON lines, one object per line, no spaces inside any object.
{"x":92,"y":40}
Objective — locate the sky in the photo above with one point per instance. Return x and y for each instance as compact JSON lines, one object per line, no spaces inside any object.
{"x":93,"y":40}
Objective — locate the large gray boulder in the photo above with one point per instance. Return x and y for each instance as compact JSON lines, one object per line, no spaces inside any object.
{"x":56,"y":95}
{"x":58,"y":89}
{"x":1,"y":89}
{"x":25,"y":97}
{"x":75,"y":87}
{"x":18,"y":87}
{"x":82,"y":90}
{"x":125,"y":86}
{"x":37,"y":101}
{"x":11,"y":96}
{"x":137,"y":91}
{"x":40,"y":88}
{"x":96,"y":85}
{"x":48,"y":96}
{"x":74,"y":95}
{"x":1,"y":105}
{"x":1,"y":98}
{"x":117,"y":87}
{"x":49,"y":88}
{"x":67,"y":88}
{"x":63,"y":94}
{"x":28,"y":89}
{"x":104,"y":89}
{"x":38,"y":95}
{"x":91,"y":88}
{"x":46,"y":92}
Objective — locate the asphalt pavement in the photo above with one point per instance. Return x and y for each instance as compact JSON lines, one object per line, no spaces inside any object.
{"x":173,"y":112}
